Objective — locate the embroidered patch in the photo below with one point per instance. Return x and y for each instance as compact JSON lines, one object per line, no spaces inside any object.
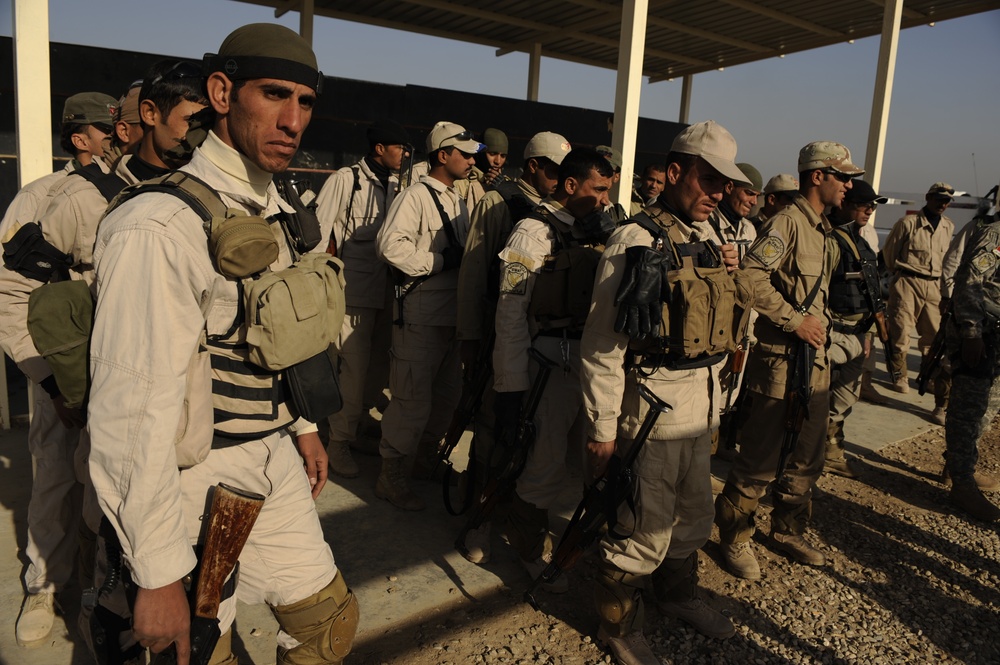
{"x":768,"y":250}
{"x":513,"y":280}
{"x":983,"y":263}
{"x":996,"y":250}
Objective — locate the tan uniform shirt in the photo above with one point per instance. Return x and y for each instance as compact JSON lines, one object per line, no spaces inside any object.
{"x":721,"y":231}
{"x":412,"y":239}
{"x":915,"y":246}
{"x":530,"y":242}
{"x":786,"y":264}
{"x":953,"y":257}
{"x":68,"y":217}
{"x":471,"y":189}
{"x":694,"y":394}
{"x":157,"y":293}
{"x":28,"y":201}
{"x":366,"y":276}
{"x":491,"y":226}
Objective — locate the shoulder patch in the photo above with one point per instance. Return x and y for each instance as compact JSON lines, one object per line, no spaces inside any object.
{"x":984,"y":262}
{"x":768,"y":250}
{"x":513,"y":279}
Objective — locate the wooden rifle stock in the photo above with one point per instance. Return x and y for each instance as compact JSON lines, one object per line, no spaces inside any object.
{"x":227,"y":528}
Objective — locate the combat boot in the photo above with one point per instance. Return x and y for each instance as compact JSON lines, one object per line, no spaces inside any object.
{"x":425,"y":466}
{"x":675,"y":586}
{"x":341,"y":462}
{"x":37,"y":617}
{"x":902,"y":386}
{"x":836,"y":461}
{"x":938,"y":415}
{"x":734,"y":515}
{"x":797,"y":547}
{"x":984,"y":481}
{"x":967,"y":497}
{"x":618,"y":599}
{"x":630,"y":649}
{"x":391,"y":485}
{"x":788,"y":523}
{"x":868,"y":392}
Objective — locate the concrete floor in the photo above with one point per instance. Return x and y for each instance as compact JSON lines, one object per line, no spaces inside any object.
{"x":402,"y":566}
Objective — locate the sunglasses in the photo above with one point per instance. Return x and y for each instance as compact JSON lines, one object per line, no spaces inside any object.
{"x":462,"y":136}
{"x":181,"y":70}
{"x":840,"y":177}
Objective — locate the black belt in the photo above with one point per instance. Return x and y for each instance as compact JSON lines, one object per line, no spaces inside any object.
{"x":910,"y":273}
{"x":856,"y":329}
{"x":673,"y":361}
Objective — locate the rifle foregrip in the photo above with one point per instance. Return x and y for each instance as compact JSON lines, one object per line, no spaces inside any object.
{"x":230,"y":520}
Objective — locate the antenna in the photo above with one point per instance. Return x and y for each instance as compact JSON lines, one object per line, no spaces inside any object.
{"x":975,"y":175}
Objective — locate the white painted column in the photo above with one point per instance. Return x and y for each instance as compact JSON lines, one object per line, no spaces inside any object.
{"x":32,"y":116}
{"x":685,"y":114}
{"x":883,"y":91}
{"x":631,"y":48}
{"x":534,"y":70}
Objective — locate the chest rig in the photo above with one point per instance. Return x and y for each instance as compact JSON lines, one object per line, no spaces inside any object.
{"x":847,"y":281}
{"x":698,"y":313}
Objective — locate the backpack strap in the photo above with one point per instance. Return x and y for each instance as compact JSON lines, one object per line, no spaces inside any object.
{"x":194,"y":191}
{"x":108,"y":184}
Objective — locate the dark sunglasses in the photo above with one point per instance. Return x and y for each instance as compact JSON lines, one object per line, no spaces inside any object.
{"x":462,"y":136}
{"x":842,"y":177}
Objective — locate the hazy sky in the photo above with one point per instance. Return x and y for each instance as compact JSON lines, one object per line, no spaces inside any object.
{"x":944,"y":106}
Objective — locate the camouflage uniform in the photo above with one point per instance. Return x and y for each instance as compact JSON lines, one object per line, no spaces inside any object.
{"x":975,"y":396}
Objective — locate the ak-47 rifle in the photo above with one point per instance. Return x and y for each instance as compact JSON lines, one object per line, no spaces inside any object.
{"x":475,"y":382}
{"x":738,"y":364}
{"x":600,"y":503}
{"x":797,"y":400}
{"x":515,"y":456}
{"x":872,"y":290}
{"x":227,"y":529}
{"x":936,"y":353}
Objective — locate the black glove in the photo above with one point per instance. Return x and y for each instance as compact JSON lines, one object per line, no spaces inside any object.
{"x":452,"y":257}
{"x":641,"y":292}
{"x":506,"y":414}
{"x":597,"y":226}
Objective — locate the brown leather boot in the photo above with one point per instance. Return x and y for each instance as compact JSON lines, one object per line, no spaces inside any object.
{"x":868,"y":392}
{"x":391,"y":485}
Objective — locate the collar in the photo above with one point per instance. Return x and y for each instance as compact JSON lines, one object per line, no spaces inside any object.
{"x":528,"y":190}
{"x":559,"y":210}
{"x":236,"y":165}
{"x":226,"y":171}
{"x":436,"y":184}
{"x":819,"y":221}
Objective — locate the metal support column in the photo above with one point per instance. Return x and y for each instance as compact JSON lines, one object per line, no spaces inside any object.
{"x":534,"y":70}
{"x":306,"y":13}
{"x":883,"y":91}
{"x":632,"y":45}
{"x":685,"y":114}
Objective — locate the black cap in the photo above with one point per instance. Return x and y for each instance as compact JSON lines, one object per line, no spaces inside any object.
{"x":387,"y":132}
{"x":862,"y":192}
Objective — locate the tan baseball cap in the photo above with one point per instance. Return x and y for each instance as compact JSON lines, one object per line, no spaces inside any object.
{"x":828,"y":155}
{"x":445,"y":134}
{"x":713,"y":143}
{"x":90,"y":108}
{"x":941,"y":189}
{"x":783,"y":182}
{"x":549,"y":145}
{"x":612,"y":155}
{"x":128,"y":105}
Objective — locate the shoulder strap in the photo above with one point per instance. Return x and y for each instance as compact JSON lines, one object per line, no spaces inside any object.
{"x":194,"y":191}
{"x":846,"y":242}
{"x":519,"y":205}
{"x":449,"y":230}
{"x":356,"y":170}
{"x":647,"y":223}
{"x":108,"y":184}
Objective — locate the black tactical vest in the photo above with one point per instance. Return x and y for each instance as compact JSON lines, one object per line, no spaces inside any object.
{"x":846,"y":281}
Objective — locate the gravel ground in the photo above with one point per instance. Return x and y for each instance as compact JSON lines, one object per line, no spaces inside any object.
{"x":908,"y":580}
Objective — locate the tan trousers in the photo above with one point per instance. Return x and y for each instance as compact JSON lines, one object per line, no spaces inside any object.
{"x":425,"y":379}
{"x":363,"y":361}
{"x":913,"y":302}
{"x":847,"y":356}
{"x":760,"y":446}
{"x":56,"y":493}
{"x":673,"y":504}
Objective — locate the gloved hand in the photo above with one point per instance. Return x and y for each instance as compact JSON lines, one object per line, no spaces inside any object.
{"x":641,"y":292}
{"x":452,"y":257}
{"x":506,"y":414}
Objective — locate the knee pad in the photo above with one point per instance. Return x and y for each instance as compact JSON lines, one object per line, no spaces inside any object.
{"x":619,"y":604}
{"x":324,"y":624}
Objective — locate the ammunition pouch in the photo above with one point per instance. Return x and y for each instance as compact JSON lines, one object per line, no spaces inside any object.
{"x":30,"y":255}
{"x":241,"y":245}
{"x":699,"y":317}
{"x":324,"y":624}
{"x":295,"y":313}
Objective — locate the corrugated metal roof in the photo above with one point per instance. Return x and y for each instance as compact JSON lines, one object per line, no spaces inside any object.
{"x":682,"y":36}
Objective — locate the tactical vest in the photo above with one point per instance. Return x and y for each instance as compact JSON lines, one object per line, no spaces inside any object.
{"x":560,"y":300}
{"x":249,"y":402}
{"x":699,"y":322}
{"x":846,"y":295}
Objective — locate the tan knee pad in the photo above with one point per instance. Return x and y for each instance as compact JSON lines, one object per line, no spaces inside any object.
{"x":223,"y":652}
{"x":324,"y":624}
{"x":618,"y":597}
